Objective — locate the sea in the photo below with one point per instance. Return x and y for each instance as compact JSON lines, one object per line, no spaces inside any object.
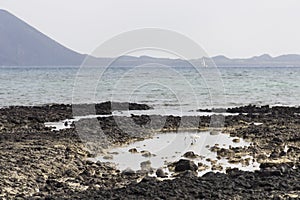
{"x":169,"y":90}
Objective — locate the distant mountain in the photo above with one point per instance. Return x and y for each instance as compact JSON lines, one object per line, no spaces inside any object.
{"x":23,"y":45}
{"x":290,"y":60}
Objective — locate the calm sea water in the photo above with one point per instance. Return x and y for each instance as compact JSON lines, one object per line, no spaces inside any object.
{"x":179,"y":89}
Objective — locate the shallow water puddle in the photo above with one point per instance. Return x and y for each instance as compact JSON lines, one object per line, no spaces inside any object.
{"x":56,"y":126}
{"x":166,"y":148}
{"x":65,"y":124}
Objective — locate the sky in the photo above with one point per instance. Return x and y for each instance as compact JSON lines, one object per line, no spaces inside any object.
{"x":234,"y":28}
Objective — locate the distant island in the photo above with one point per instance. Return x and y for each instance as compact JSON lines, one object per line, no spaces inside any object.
{"x":23,"y":45}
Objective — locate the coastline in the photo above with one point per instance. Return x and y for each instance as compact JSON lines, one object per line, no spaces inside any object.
{"x":37,"y":162}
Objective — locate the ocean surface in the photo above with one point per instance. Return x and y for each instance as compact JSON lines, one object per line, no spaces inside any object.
{"x":178,"y":89}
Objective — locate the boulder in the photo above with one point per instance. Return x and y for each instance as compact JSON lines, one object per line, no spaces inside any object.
{"x":128,"y":172}
{"x":160,"y":173}
{"x":183,"y":165}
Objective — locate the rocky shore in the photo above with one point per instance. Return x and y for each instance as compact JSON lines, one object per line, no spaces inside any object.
{"x":38,"y":163}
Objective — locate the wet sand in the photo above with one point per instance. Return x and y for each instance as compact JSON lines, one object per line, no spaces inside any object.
{"x":38,"y":163}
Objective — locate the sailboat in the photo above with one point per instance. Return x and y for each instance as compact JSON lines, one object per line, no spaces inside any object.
{"x":203,"y":62}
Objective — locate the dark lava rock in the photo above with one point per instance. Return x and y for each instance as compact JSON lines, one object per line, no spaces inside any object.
{"x":250,"y":109}
{"x":274,"y":154}
{"x":183,"y":165}
{"x":146,"y":154}
{"x":282,"y":153}
{"x":160,"y":173}
{"x":133,"y":150}
{"x":148,"y":179}
{"x":190,"y":154}
{"x":277,"y":140}
{"x":283,"y":167}
{"x":52,"y":164}
{"x":128,"y":172}
{"x":187,"y":174}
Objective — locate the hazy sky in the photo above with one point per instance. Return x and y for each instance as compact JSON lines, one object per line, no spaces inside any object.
{"x":235,"y":28}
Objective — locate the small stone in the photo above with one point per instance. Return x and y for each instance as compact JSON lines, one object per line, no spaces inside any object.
{"x":246,"y":162}
{"x":282,"y":153}
{"x":202,"y":167}
{"x":261,"y":158}
{"x":160,"y":173}
{"x":214,"y":149}
{"x":146,"y":154}
{"x":274,"y":154}
{"x":190,"y":154}
{"x":217,"y":167}
{"x":114,"y":153}
{"x":128,"y":172}
{"x":108,"y":157}
{"x":213,"y":162}
{"x":234,"y":160}
{"x":133,"y":150}
{"x":236,"y":140}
